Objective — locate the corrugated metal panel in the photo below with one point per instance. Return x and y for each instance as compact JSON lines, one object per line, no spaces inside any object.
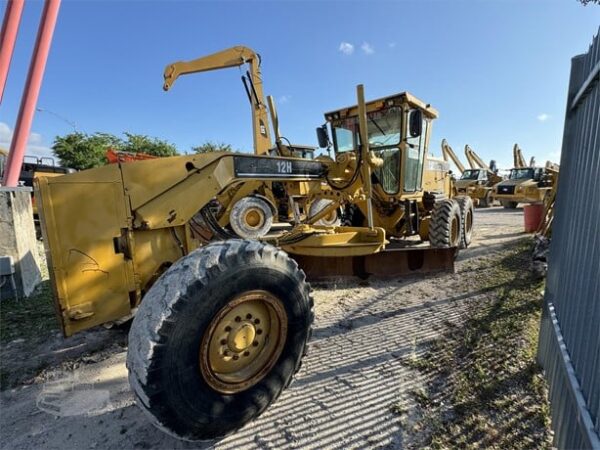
{"x":569,"y":347}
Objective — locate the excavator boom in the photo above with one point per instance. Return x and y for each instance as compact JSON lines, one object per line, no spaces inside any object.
{"x":474,"y":160}
{"x":232,"y":57}
{"x":518,"y":158}
{"x":447,"y":152}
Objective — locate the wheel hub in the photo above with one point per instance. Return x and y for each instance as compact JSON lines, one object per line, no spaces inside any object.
{"x":254,"y":218}
{"x":243,"y":342}
{"x":241,"y":338}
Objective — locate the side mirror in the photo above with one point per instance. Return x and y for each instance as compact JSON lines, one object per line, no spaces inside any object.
{"x":415,"y":123}
{"x":323,"y":136}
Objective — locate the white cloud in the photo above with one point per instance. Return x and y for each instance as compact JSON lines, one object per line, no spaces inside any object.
{"x":346,"y":48}
{"x":391,"y":44}
{"x":543,"y":117}
{"x":367,"y":48}
{"x":285,"y":99}
{"x":35,"y":138}
{"x":35,"y":145}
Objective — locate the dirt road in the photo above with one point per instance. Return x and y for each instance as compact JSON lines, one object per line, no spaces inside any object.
{"x":348,"y":393}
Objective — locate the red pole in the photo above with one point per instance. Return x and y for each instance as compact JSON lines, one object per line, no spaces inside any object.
{"x":8,"y":36}
{"x":31,"y":93}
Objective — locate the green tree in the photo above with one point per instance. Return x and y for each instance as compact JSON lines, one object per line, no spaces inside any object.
{"x":210,"y":146}
{"x":82,"y":151}
{"x":139,"y":143}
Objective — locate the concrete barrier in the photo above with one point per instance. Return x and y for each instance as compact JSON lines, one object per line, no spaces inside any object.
{"x":17,"y":239}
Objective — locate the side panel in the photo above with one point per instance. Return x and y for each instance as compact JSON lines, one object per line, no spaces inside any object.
{"x":81,"y":216}
{"x":155,"y":250}
{"x":277,"y":168}
{"x":435,"y":176}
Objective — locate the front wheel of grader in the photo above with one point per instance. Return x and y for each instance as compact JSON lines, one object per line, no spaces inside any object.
{"x":218,"y":337}
{"x":445,"y":225}
{"x":465,"y":204}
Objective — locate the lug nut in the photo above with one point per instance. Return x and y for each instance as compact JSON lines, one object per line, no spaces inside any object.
{"x":238,"y":319}
{"x":225,"y":353}
{"x":259,"y":331}
{"x":248,"y":316}
{"x":236,"y":357}
{"x":246,"y":353}
{"x":228,"y":328}
{"x":223,"y":341}
{"x":255,"y":343}
{"x":256,"y":321}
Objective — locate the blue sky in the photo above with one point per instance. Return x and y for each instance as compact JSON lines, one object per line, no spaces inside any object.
{"x":496,"y":70}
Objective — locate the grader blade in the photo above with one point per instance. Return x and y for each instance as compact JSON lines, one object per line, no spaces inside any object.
{"x":390,"y":263}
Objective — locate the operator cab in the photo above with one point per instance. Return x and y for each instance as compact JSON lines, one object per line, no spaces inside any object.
{"x":398,"y":131}
{"x":526,"y":173}
{"x":474,"y":175}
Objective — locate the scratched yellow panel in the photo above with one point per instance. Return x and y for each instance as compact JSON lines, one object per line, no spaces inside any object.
{"x":81,"y":217}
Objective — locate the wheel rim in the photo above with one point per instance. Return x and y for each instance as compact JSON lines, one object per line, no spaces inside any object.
{"x":468,"y":222}
{"x":455,"y":231}
{"x":254,"y":218}
{"x":243,"y":342}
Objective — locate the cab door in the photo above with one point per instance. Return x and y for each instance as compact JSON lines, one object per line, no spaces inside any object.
{"x":414,"y":155}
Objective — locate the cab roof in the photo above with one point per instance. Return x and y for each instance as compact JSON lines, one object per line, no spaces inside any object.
{"x":390,"y":100}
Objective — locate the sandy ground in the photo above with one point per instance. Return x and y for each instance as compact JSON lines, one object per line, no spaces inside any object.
{"x":345,"y":395}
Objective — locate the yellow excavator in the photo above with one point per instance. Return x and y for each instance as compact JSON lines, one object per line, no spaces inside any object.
{"x":526,"y":183}
{"x":220,"y":329}
{"x":478,"y":181}
{"x":482,"y":179}
{"x":251,"y":208}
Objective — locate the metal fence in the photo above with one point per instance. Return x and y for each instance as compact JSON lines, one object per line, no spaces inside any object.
{"x":569,"y":347}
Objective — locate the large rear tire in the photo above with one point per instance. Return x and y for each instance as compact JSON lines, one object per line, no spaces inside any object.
{"x":445,"y":224}
{"x":465,"y":204}
{"x":218,"y":337}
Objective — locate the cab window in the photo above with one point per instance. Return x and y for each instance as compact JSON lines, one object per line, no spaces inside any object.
{"x":385,"y":130}
{"x":415,"y":154}
{"x":345,"y":135}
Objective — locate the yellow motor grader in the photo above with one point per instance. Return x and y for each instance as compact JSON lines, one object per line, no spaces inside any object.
{"x":219,"y":330}
{"x":526,"y":183}
{"x":477,"y":182}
